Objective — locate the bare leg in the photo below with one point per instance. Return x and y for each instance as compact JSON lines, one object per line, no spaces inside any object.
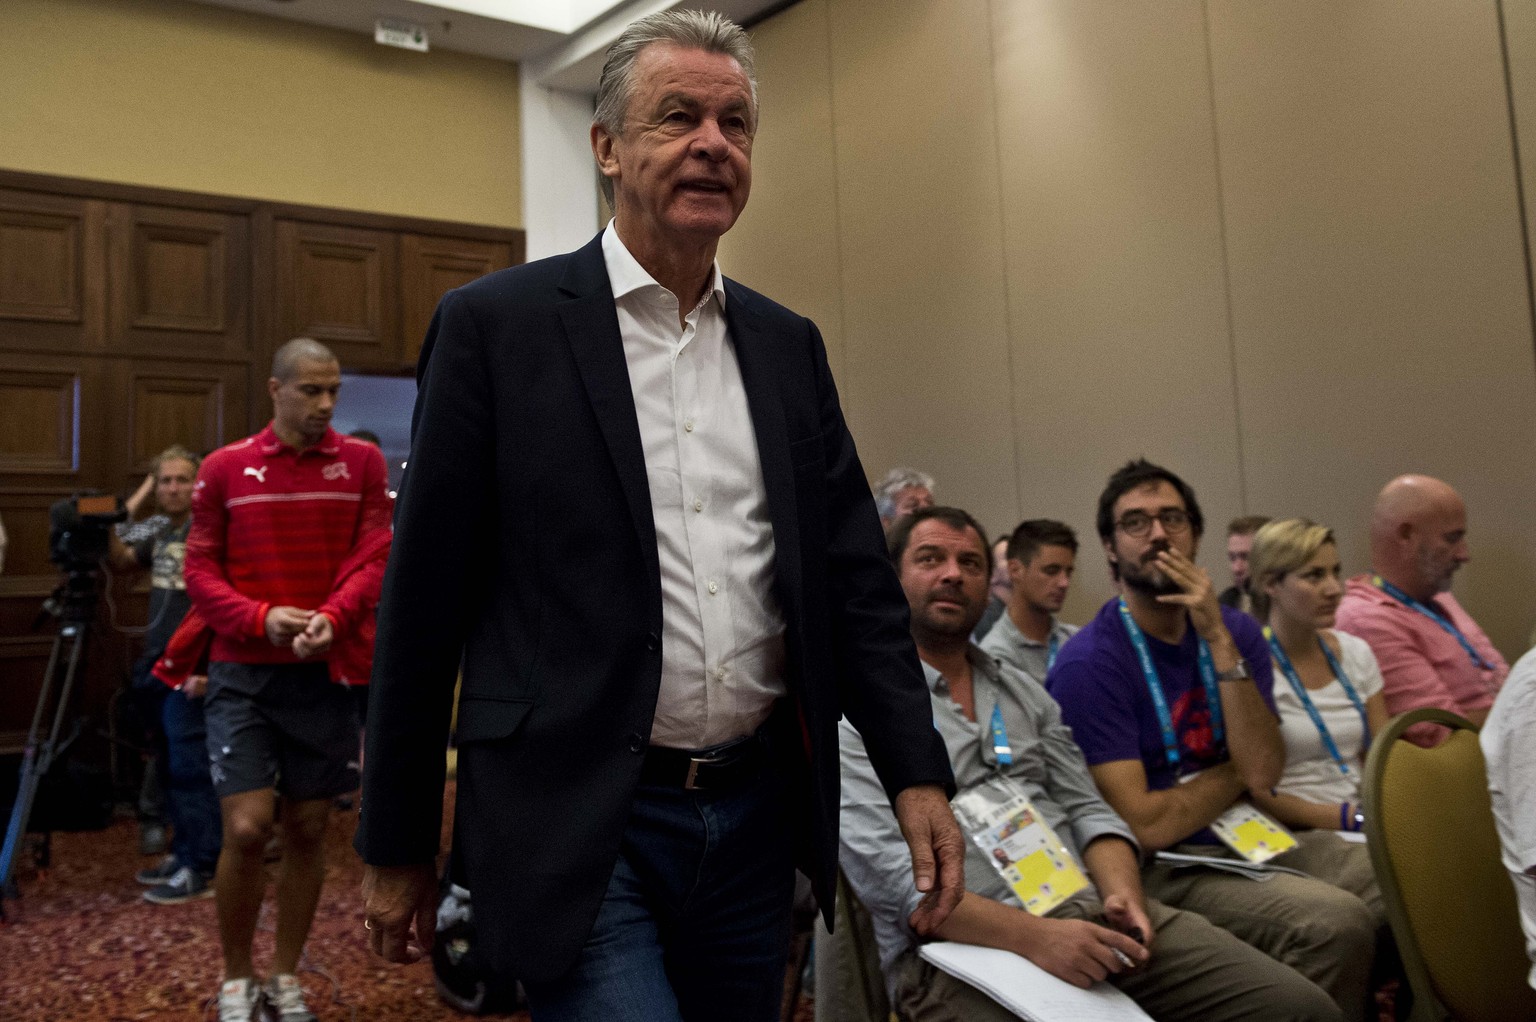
{"x":299,"y":878}
{"x":240,"y":881}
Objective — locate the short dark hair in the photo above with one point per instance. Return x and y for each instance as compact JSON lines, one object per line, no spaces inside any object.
{"x":1247,"y":525}
{"x":900,"y":532}
{"x":1035,"y":533}
{"x":1139,"y":473}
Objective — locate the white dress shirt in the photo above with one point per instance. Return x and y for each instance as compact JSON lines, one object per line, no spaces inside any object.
{"x":722,"y":643}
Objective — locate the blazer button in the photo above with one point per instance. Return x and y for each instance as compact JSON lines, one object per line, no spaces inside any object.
{"x":653,"y":642}
{"x":636,"y":743}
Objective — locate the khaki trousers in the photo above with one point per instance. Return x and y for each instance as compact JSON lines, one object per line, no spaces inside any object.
{"x":1198,"y":972}
{"x":1324,"y":925}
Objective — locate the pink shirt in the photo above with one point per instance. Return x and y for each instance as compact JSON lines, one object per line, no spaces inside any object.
{"x":1421,"y":663}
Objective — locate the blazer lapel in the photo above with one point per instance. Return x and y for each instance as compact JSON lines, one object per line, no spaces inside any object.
{"x":765,"y":402}
{"x":592,"y":329}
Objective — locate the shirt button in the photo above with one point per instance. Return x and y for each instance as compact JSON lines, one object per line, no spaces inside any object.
{"x":698,"y":505}
{"x":688,"y":425}
{"x":714,"y":587}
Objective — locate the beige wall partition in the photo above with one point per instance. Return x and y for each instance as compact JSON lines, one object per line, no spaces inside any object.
{"x":198,"y":98}
{"x":1277,"y":245}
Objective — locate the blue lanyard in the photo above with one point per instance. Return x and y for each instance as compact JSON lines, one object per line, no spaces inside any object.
{"x":1412,"y":604}
{"x":1289,"y":670}
{"x":1155,"y":687}
{"x":1000,"y":747}
{"x":1052,"y":647}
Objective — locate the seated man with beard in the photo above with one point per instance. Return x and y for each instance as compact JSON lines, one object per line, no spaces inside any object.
{"x":1170,"y":697}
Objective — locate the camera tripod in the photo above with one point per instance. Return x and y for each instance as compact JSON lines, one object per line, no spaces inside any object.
{"x":74,"y":602}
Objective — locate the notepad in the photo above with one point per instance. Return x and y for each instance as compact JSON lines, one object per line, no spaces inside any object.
{"x":1027,"y":990}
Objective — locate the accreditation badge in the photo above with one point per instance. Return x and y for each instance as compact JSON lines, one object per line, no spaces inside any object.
{"x":1019,"y":844}
{"x":1253,"y":834}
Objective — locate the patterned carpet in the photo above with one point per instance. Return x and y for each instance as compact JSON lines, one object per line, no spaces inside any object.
{"x":81,"y":945}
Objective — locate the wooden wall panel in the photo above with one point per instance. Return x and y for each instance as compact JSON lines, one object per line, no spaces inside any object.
{"x":184,"y":282}
{"x":39,"y":422}
{"x":52,"y":283}
{"x":201,"y":407}
{"x":130,"y":319}
{"x":430,"y":267}
{"x":339,"y":286}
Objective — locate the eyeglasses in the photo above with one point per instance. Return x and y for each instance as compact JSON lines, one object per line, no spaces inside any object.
{"x":1139,"y":523}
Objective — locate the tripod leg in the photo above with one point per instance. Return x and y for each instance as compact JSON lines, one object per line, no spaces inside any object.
{"x":36,"y":759}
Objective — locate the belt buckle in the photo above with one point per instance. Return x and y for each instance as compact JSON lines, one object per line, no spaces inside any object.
{"x":690,"y":783}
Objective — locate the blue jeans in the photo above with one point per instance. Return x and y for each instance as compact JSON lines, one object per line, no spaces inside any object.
{"x":695,"y":923}
{"x":190,"y":802}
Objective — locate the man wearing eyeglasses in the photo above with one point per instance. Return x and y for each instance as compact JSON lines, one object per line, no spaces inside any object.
{"x":1169,"y":696}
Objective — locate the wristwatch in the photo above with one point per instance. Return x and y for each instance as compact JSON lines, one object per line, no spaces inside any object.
{"x":1237,"y":672}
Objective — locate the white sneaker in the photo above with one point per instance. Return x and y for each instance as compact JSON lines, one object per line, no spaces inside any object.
{"x":239,"y":1000}
{"x":285,"y":1000}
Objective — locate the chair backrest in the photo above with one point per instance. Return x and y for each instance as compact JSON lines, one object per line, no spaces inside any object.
{"x":1429,"y":823}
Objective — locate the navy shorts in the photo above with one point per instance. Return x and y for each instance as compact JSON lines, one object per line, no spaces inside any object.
{"x":283,"y":726}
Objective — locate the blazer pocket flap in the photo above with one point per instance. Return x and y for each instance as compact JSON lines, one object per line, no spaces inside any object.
{"x":486,"y":720}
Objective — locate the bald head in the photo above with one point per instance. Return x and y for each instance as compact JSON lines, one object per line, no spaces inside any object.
{"x":285,"y":361}
{"x":1419,"y":534}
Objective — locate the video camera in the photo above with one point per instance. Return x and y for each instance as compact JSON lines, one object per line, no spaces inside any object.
{"x":78,"y":530}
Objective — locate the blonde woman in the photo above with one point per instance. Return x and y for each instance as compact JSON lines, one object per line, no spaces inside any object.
{"x":1327,"y":684}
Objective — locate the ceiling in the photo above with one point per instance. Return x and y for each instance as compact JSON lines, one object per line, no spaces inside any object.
{"x":559,"y":42}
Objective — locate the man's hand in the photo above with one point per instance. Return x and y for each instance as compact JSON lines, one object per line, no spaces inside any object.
{"x":1083,"y":953}
{"x":1199,"y":596}
{"x":315,"y":638}
{"x":1129,"y":916}
{"x":395,"y":897}
{"x":934,"y":837}
{"x":195,"y":686}
{"x":284,"y":623}
{"x":136,"y":499}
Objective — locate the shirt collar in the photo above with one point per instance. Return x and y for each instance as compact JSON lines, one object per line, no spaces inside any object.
{"x":981,"y":662}
{"x":1054,"y":632}
{"x":626,"y":275}
{"x":271,"y":444}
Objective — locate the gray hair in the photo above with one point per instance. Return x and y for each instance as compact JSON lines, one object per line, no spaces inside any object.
{"x":285,"y":361}
{"x":896,"y":480}
{"x":709,"y":31}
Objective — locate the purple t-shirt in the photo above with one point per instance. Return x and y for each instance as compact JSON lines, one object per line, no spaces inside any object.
{"x":1104,"y":698}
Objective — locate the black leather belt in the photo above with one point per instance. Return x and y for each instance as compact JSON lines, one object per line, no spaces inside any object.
{"x":719,"y":769}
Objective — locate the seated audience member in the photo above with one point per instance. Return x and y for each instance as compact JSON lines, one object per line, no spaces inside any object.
{"x":1007,"y":744}
{"x":1042,"y":554}
{"x":1430,"y":650}
{"x":998,"y":589}
{"x":173,"y":714}
{"x":1509,"y":745}
{"x":1169,"y":695}
{"x":1328,"y":688}
{"x":1240,"y":534}
{"x":902,"y":491}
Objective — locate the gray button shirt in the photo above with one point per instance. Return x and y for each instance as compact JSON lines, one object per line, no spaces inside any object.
{"x":1014,"y":648}
{"x":1047,"y":764}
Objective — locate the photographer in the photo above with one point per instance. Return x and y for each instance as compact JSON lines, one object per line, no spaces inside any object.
{"x":173,"y":716}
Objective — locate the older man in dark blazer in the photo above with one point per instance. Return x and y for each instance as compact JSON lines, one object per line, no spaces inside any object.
{"x":634,"y":513}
